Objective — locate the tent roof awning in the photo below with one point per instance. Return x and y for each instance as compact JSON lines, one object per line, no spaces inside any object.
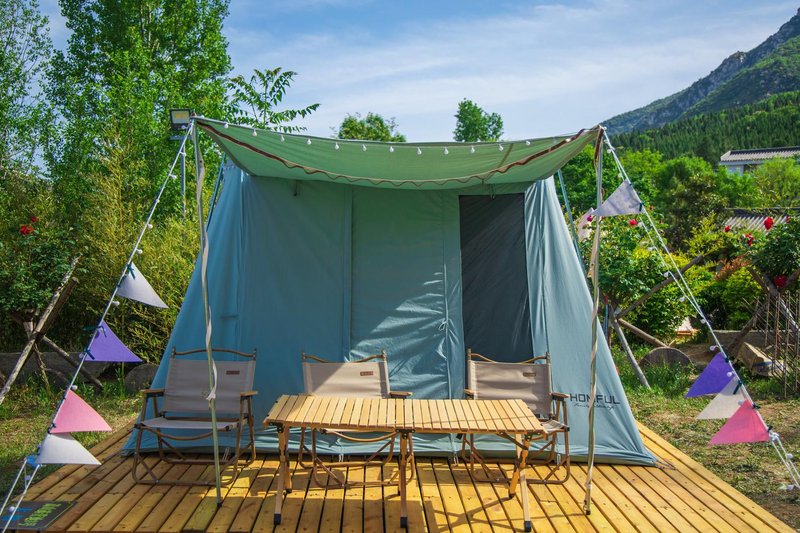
{"x":394,"y":165}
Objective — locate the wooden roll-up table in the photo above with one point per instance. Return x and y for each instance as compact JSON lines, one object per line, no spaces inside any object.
{"x":510,"y":419}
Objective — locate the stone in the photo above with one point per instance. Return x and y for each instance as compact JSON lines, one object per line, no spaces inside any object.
{"x":140,"y":377}
{"x":665,"y":356}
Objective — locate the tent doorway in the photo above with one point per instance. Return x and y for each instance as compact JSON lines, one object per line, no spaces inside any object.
{"x":495,"y":306}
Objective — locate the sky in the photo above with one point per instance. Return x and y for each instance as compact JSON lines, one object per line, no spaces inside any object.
{"x":547,"y":67}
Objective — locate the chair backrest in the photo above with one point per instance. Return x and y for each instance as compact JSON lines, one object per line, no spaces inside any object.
{"x":186,"y":388}
{"x":528,"y":381}
{"x":366,"y":378}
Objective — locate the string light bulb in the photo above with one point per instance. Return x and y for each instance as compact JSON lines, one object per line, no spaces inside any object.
{"x":149,"y":226}
{"x":336,"y":146}
{"x":363,"y":147}
{"x":500,"y":147}
{"x":225,"y":125}
{"x":419,"y":151}
{"x":391,"y":149}
{"x":446,"y":151}
{"x":115,"y":303}
{"x":139,"y":251}
{"x":308,"y":141}
{"x":527,"y":143}
{"x":255,"y":133}
{"x":282,"y":137}
{"x":472,"y":149}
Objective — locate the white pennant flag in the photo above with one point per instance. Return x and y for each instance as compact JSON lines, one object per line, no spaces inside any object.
{"x":134,"y":286}
{"x":62,"y":449}
{"x":724,"y":404}
{"x":623,"y":201}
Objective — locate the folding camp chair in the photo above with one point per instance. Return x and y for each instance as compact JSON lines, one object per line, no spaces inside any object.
{"x":529,"y":381}
{"x":183,"y":413}
{"x":365,"y":378}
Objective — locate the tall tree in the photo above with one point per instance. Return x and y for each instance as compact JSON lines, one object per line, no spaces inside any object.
{"x":373,"y":127}
{"x":24,"y":54}
{"x":779,"y":183}
{"x":125,"y":65}
{"x":256,"y":100}
{"x":473,"y":124}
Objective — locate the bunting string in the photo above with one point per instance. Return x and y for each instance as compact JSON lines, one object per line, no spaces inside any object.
{"x":60,"y":447}
{"x":748,"y":408}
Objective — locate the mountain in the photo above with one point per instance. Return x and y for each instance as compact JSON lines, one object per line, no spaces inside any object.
{"x":745,"y":77}
{"x":774,"y":121}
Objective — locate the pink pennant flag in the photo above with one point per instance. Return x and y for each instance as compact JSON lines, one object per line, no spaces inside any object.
{"x":77,"y":415}
{"x":746,"y":425}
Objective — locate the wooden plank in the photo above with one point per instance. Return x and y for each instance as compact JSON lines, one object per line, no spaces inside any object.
{"x":353,"y":507}
{"x":408,"y":414}
{"x":373,"y":501}
{"x":276,"y":413}
{"x":237,"y":492}
{"x":475,"y":515}
{"x":643,"y":508}
{"x":331,"y":520}
{"x":293,"y":503}
{"x":189,"y":503}
{"x":145,"y":505}
{"x":336,"y":418}
{"x":313,"y":503}
{"x":455,"y":512}
{"x":265,"y":517}
{"x":601,"y":503}
{"x":490,"y":501}
{"x":755,"y":515}
{"x":170,"y":499}
{"x":572,"y":508}
{"x":485,"y":414}
{"x":544,"y":509}
{"x":435,"y":514}
{"x":255,"y":501}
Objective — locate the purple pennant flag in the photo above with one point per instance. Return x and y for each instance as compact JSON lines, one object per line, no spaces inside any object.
{"x":713,"y":379}
{"x":107,"y":347}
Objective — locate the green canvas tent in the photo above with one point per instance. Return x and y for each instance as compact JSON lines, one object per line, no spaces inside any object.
{"x":345,"y":248}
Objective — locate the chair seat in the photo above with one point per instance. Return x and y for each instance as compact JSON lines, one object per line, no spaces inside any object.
{"x":553,"y":426}
{"x":171,"y":423}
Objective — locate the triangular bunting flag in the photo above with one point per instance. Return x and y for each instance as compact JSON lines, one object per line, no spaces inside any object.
{"x":64,"y":450}
{"x":724,"y":404}
{"x":107,"y":347}
{"x":746,"y":425}
{"x":623,"y":201}
{"x":585,"y":225}
{"x":134,"y":286}
{"x":713,"y":379}
{"x":76,"y":415}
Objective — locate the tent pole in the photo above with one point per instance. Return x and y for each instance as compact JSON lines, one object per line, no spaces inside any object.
{"x":595,"y":267}
{"x":200,"y":171}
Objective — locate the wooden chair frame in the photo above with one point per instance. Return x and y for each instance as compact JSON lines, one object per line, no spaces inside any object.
{"x":327,"y":467}
{"x":170,"y":454}
{"x":544,"y":451}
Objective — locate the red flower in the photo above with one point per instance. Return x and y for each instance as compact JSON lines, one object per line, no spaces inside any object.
{"x":768,"y":223}
{"x":589,"y":218}
{"x":632,"y":222}
{"x":780,"y":281}
{"x":26,"y":229}
{"x":34,"y":219}
{"x":727,"y":229}
{"x":788,"y":218}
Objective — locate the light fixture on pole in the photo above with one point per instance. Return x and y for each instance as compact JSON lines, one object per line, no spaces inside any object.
{"x":179,"y":120}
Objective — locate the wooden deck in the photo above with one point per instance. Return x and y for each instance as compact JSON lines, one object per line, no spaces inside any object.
{"x":684,"y":498}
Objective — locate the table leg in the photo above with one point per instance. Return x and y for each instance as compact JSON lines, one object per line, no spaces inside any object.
{"x":284,"y":481}
{"x":403,"y":465}
{"x":519,"y":478}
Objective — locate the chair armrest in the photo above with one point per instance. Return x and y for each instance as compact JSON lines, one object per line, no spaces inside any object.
{"x":400,"y":394}
{"x":248,"y":393}
{"x":469,"y":393}
{"x":559,"y":395}
{"x":152,"y":392}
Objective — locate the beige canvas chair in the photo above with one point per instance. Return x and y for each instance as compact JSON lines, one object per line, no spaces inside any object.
{"x":181,"y":413}
{"x":364,"y":378}
{"x":529,"y":381}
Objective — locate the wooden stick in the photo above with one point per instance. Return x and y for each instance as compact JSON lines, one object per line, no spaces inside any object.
{"x":641,"y":334}
{"x":658,"y":287}
{"x":65,"y":356}
{"x":627,"y":349}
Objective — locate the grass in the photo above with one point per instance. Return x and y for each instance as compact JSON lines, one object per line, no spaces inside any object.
{"x":753,"y":469}
{"x":27,"y":411}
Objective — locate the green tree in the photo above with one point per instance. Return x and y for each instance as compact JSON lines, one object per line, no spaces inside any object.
{"x":24,"y":114}
{"x":686,"y":192}
{"x":473,"y":124}
{"x":779,"y":182}
{"x":373,"y":127}
{"x":255,"y":100}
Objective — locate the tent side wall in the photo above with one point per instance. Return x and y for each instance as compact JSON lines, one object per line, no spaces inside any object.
{"x":342,"y":272}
